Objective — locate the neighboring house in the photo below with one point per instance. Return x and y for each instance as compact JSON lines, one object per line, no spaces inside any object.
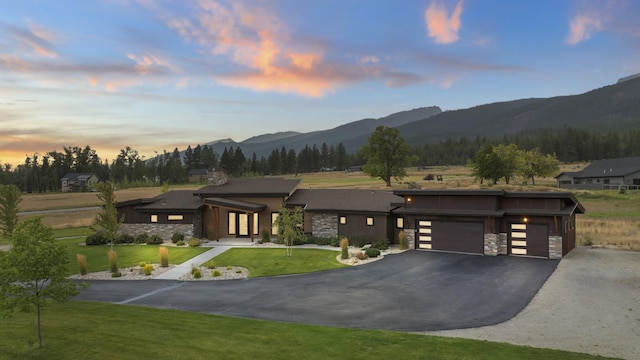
{"x":491,"y":222}
{"x":604,"y":174}
{"x":77,"y":182}
{"x":347,"y":212}
{"x":198,"y":175}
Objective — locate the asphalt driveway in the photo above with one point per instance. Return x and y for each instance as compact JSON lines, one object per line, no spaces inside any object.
{"x":412,"y":291}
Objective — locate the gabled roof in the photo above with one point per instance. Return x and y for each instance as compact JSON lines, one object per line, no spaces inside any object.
{"x":250,"y":187}
{"x":344,"y":200}
{"x":175,"y":200}
{"x":198,"y":172}
{"x":77,"y":176}
{"x":608,"y":168}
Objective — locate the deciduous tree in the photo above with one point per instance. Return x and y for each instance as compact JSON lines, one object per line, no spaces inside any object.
{"x":33,"y":273}
{"x":387,"y":154}
{"x":290,"y":226}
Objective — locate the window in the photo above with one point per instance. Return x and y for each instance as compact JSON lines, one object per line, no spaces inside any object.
{"x":175,"y":217}
{"x":255,"y":224}
{"x":400,"y":222}
{"x":369,"y":221}
{"x":343,"y":220}
{"x":154,"y":218}
{"x":232,"y":223}
{"x":274,"y":219}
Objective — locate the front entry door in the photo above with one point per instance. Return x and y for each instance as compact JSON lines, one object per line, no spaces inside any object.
{"x":239,"y":223}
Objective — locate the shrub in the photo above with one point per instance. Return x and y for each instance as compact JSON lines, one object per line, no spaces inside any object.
{"x":195,"y":272}
{"x":362,"y":256}
{"x":359,"y":240}
{"x":372,"y":252}
{"x":164,"y":256}
{"x":124,"y":239}
{"x":180,"y":243}
{"x":210,"y":264}
{"x":344,"y":248}
{"x":82,"y":263}
{"x":113,"y":261}
{"x":402,"y":238}
{"x":216,"y":273}
{"x":142,"y":264}
{"x":265,"y":236}
{"x":141,"y":238}
{"x":177,"y":236}
{"x":382,"y":244}
{"x":194,"y":242}
{"x":154,"y":239}
{"x":148,"y":269}
{"x":116,"y":274}
{"x":97,"y":238}
{"x":229,"y":267}
{"x":324,"y":240}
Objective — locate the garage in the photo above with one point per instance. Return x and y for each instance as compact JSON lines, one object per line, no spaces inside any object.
{"x":529,"y":240}
{"x":455,"y":236}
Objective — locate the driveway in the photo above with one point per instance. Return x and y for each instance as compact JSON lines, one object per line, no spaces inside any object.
{"x":412,"y":291}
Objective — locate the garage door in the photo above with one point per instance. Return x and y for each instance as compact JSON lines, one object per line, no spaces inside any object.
{"x":464,"y":237}
{"x":529,"y":240}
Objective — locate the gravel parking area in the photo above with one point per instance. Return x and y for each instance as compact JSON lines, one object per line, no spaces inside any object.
{"x":590,"y":304}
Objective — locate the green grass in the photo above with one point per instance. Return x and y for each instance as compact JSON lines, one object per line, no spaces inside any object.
{"x":72,"y":232}
{"x":610,"y":204}
{"x":82,"y":330}
{"x":272,"y":262}
{"x":128,"y":255}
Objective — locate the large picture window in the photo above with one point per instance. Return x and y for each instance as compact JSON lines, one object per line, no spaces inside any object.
{"x":274,"y":219}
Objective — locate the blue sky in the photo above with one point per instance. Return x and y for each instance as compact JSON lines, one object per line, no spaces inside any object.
{"x":155,"y":75}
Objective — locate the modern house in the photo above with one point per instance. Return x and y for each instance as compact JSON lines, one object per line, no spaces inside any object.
{"x":604,"y":174}
{"x":78,"y":182}
{"x":348,"y":212}
{"x":491,"y":222}
{"x":482,"y":222}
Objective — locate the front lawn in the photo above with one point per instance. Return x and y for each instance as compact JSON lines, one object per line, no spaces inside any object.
{"x":272,"y":262}
{"x":84,"y":330}
{"x":128,"y":255}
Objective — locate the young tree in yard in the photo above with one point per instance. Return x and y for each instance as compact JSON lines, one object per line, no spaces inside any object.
{"x":34,"y":272}
{"x":10,"y":198}
{"x":289,"y":225}
{"x":387,"y":154}
{"x":107,"y":219}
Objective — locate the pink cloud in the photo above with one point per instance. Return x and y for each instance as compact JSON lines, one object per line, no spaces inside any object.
{"x":583,"y":26}
{"x":442,"y":27}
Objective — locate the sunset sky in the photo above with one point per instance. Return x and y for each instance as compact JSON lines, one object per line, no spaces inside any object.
{"x":155,"y":75}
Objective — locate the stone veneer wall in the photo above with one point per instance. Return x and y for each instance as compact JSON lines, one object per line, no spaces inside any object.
{"x":411,"y":238}
{"x":164,"y":230}
{"x":324,"y":225}
{"x":491,"y":244}
{"x":555,"y":247}
{"x":502,"y":244}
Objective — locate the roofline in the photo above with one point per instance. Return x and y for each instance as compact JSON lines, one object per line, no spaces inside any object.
{"x":448,"y":192}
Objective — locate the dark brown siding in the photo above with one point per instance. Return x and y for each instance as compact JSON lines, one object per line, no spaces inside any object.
{"x":532,"y":203}
{"x":357,"y":226}
{"x":466,"y":237}
{"x":454,"y":202}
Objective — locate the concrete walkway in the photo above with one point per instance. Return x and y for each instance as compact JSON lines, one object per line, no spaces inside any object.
{"x":185,"y":267}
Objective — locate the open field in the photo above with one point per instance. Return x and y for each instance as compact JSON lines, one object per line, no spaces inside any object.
{"x":611,"y":219}
{"x":80,"y":330}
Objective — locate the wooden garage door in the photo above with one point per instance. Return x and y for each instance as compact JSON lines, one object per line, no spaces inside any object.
{"x":465,"y":237}
{"x":529,"y":240}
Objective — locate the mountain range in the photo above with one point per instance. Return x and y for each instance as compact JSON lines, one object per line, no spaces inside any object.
{"x":613,"y":107}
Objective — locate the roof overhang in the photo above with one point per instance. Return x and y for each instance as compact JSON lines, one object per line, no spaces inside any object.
{"x":234,"y":204}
